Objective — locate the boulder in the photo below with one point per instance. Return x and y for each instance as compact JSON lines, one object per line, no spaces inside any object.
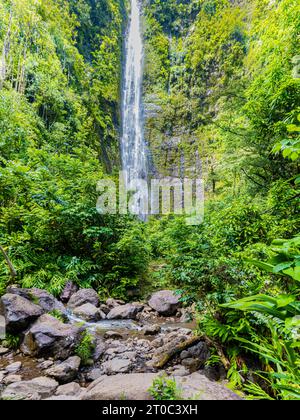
{"x":18,"y":312}
{"x":136,"y":386}
{"x":46,"y":364}
{"x":121,"y":387}
{"x":112,"y":303}
{"x":104,"y":308}
{"x":165,"y":302}
{"x":199,"y":352}
{"x":39,"y":297}
{"x":10,"y":379}
{"x":35,"y":389}
{"x":191,"y":363}
{"x":128,"y":311}
{"x":2,"y":375}
{"x":116,"y":366}
{"x":65,"y":371}
{"x":69,"y":290}
{"x":178,"y":370}
{"x":88,"y":312}
{"x":198,"y":387}
{"x":94,"y":374}
{"x":82,"y":297}
{"x":4,"y":350}
{"x":100,"y":348}
{"x":13,"y":367}
{"x":50,"y":337}
{"x":72,"y":389}
{"x":151,"y":329}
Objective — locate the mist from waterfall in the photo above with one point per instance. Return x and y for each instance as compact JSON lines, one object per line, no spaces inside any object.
{"x":133,"y":147}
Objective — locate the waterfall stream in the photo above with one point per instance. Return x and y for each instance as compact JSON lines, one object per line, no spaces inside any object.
{"x":133,"y":147}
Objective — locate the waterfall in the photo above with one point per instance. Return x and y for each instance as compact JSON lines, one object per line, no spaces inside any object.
{"x":133,"y":147}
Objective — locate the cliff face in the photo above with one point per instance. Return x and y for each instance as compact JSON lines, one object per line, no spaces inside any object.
{"x":205,"y":62}
{"x":193,"y":59}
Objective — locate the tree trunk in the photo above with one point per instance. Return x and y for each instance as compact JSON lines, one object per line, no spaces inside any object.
{"x":12,"y":270}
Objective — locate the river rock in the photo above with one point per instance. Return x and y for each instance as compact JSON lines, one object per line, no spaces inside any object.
{"x":10,"y":379}
{"x":192,"y":364}
{"x":128,"y":311}
{"x":2,"y":376}
{"x":69,"y":290}
{"x":178,"y":370}
{"x":13,"y":367}
{"x":4,"y":350}
{"x":113,"y":303}
{"x":100,"y":348}
{"x":72,"y":389}
{"x":82,"y":297}
{"x":18,"y":312}
{"x":116,"y":366}
{"x":39,"y":297}
{"x":88,"y":312}
{"x":35,"y":389}
{"x":65,"y":371}
{"x":199,"y":352}
{"x":121,"y":387}
{"x":46,"y":364}
{"x":50,"y":337}
{"x":197,"y":387}
{"x":104,"y":308}
{"x":113,"y":335}
{"x":94,"y":374}
{"x":152,"y":329}
{"x":165,"y":302}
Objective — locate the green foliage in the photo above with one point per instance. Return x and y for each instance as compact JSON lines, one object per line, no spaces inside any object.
{"x":11,"y":341}
{"x":59,"y":98}
{"x":85,"y":348}
{"x":164,"y":389}
{"x":58,"y":315}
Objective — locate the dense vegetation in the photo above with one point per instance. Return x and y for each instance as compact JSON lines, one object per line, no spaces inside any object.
{"x":222,"y":99}
{"x":229,"y":92}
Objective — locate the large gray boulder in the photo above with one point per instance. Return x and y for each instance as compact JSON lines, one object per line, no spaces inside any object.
{"x":89,"y":313}
{"x":36,"y":389}
{"x":50,"y":337}
{"x":165,"y":302}
{"x":121,"y":387}
{"x":135,"y":386}
{"x":82,"y":297}
{"x":72,"y":389}
{"x":39,"y":297}
{"x":116,"y":365}
{"x":198,"y":387}
{"x":66,"y":371}
{"x":18,"y":312}
{"x":128,"y":311}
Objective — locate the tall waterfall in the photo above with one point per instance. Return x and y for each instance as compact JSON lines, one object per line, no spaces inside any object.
{"x":133,"y":147}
